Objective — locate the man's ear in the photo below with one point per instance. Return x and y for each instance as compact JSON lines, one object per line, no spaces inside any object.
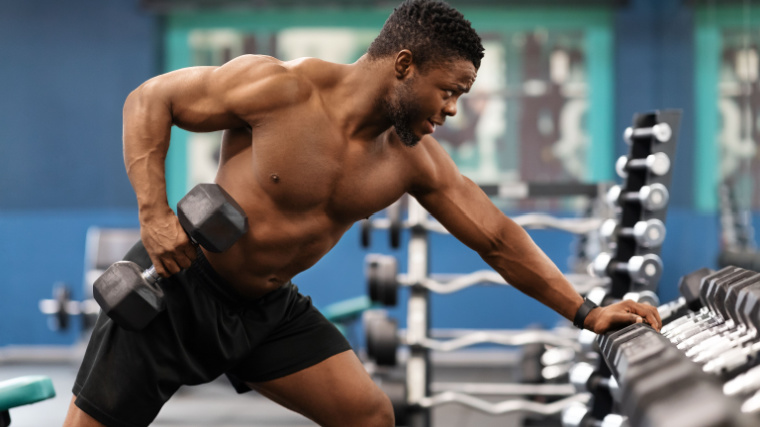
{"x":403,"y":64}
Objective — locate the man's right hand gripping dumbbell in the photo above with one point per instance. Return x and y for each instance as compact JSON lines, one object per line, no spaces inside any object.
{"x":130,"y":296}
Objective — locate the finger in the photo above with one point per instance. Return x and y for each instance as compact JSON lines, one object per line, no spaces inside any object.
{"x":160,"y":269}
{"x":190,"y":253}
{"x":170,"y":267}
{"x":183,"y":260}
{"x":622,"y":318}
{"x":649,"y":314}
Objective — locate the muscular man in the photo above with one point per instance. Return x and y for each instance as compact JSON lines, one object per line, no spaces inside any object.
{"x":309,"y":148}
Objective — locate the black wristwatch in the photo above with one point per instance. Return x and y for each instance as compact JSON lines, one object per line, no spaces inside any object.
{"x":582,"y":313}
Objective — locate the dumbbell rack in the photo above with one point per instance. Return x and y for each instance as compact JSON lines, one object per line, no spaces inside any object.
{"x":703,"y":369}
{"x":635,"y":236}
{"x":652,"y":140}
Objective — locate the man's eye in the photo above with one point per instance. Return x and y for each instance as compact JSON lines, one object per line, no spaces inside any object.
{"x":449,"y":93}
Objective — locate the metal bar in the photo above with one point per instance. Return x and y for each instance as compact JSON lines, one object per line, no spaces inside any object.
{"x":450,"y":283}
{"x":418,"y":368}
{"x":506,"y":339}
{"x":504,"y":407}
{"x":524,"y":190}
{"x":505,"y":389}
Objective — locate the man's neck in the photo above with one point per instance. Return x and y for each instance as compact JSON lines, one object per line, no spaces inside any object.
{"x":356,"y":102}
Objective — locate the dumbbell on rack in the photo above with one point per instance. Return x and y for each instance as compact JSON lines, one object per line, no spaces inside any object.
{"x":713,"y":290}
{"x":724,"y":344}
{"x":130,"y":296}
{"x":651,"y":197}
{"x":586,"y":378}
{"x":661,"y":132}
{"x":61,"y":308}
{"x":643,"y":269}
{"x":648,"y":234}
{"x":657,"y":164}
{"x":722,"y":301}
{"x":660,"y":386}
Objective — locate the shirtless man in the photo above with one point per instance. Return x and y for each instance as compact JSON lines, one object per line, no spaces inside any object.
{"x":309,"y":148}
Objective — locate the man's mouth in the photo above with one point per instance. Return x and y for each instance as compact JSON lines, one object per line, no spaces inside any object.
{"x":432,"y":125}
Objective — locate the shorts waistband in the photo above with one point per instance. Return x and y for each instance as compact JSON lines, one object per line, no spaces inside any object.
{"x":221,"y":288}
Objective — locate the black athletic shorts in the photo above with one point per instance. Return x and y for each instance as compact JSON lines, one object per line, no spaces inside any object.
{"x":205,"y":331}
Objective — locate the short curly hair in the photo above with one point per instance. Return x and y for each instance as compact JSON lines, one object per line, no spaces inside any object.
{"x":432,"y":30}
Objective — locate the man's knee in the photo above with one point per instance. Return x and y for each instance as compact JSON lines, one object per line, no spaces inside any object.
{"x":377,"y":411}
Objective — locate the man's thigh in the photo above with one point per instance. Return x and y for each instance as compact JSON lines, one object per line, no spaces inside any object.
{"x":335,"y":392}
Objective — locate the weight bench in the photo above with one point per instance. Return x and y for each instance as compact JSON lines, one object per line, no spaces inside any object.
{"x":343,"y":313}
{"x":23,"y":391}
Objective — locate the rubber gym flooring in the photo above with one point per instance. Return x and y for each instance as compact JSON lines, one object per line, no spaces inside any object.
{"x":216,"y":404}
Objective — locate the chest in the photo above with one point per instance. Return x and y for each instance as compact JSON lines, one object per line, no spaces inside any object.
{"x":311,"y":165}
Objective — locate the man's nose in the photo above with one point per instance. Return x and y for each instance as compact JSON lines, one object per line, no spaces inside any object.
{"x":450,"y":109}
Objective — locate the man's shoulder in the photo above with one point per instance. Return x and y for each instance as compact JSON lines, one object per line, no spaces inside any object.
{"x":268,"y":78}
{"x":319,"y":73}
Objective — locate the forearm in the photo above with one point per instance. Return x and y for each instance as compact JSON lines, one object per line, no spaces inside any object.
{"x":146,"y":135}
{"x":526,"y":267}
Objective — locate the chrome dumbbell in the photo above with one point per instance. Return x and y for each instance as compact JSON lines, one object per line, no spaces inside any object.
{"x":651,"y":197}
{"x":657,"y":164}
{"x":643,"y":269}
{"x":724,"y":302}
{"x":661,"y":132}
{"x":649,"y":233}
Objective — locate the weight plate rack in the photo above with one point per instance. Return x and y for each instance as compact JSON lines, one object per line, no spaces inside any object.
{"x":414,"y":393}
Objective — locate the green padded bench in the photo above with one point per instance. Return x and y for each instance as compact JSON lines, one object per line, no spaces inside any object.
{"x":23,"y":391}
{"x":344,"y":312}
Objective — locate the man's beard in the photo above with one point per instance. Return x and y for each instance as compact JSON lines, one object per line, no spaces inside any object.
{"x":402,"y":110}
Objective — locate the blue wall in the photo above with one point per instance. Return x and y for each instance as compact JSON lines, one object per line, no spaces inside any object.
{"x":67,"y":67}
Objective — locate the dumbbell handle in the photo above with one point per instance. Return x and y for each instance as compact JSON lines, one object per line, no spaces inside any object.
{"x":661,"y":131}
{"x":734,"y":334}
{"x":698,"y":320}
{"x":694,"y":330}
{"x":731,"y":359}
{"x":686,"y":321}
{"x":743,"y":383}
{"x":698,"y":341}
{"x":150,"y":275}
{"x":723,"y":346}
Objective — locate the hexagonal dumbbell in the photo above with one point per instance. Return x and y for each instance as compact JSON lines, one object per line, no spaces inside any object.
{"x":726,"y":318}
{"x":643,"y":269}
{"x":657,"y":164}
{"x":680,"y":311}
{"x":651,"y":197}
{"x":130,"y":296}
{"x":705,"y":318}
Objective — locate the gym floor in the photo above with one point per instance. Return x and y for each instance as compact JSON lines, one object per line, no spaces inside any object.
{"x":216,"y":404}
